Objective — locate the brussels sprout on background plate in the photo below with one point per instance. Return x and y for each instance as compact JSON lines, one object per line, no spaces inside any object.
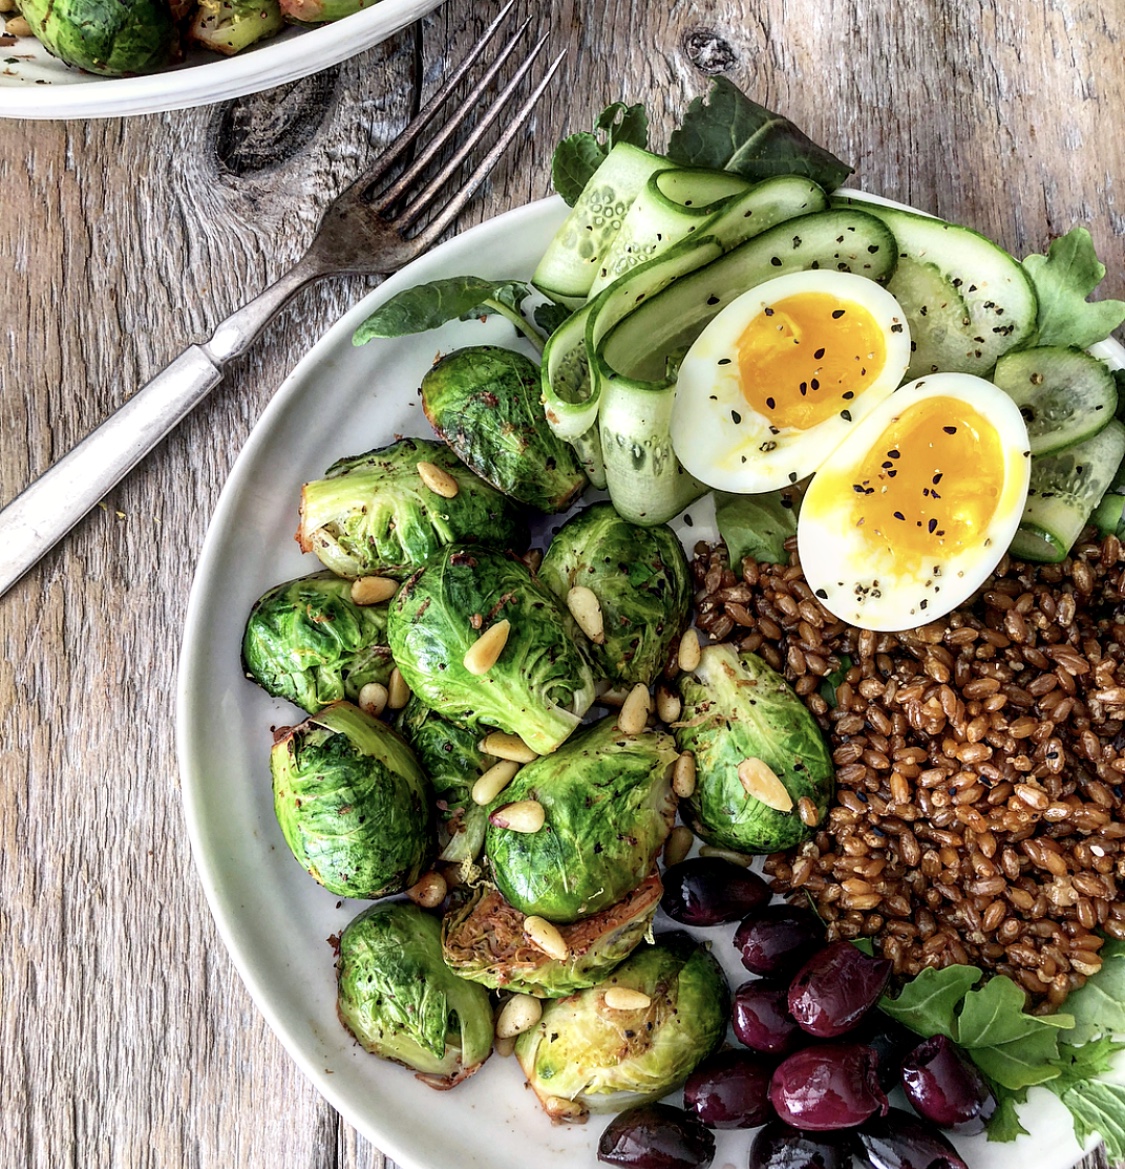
{"x":109,"y":37}
{"x":398,"y":998}
{"x":372,"y":514}
{"x":352,"y":803}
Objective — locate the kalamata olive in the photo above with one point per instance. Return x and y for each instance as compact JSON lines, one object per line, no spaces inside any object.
{"x":892,"y":1043}
{"x":778,"y":939}
{"x":707,"y":890}
{"x":761,"y":1019}
{"x":835,"y":988}
{"x":730,"y":1089}
{"x":657,"y":1136}
{"x":945,"y":1087}
{"x":779,"y":1146}
{"x":827,"y":1086}
{"x":900,"y":1140}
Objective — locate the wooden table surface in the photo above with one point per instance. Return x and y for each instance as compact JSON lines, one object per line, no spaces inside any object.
{"x":126,"y":1038}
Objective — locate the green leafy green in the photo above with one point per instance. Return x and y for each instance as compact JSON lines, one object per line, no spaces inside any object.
{"x":1099,"y":1007}
{"x":927,"y":1004}
{"x":994,"y":1015}
{"x":1063,"y":279}
{"x":828,"y":684}
{"x":756,"y":525}
{"x":1099,"y":1108}
{"x":1004,"y":1124}
{"x":578,"y":156}
{"x":1088,"y":1061}
{"x":727,"y":131}
{"x":1022,"y":1062}
{"x":549,"y":316}
{"x":864,"y":946}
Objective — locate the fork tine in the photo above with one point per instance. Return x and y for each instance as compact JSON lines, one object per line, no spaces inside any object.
{"x":439,"y":181}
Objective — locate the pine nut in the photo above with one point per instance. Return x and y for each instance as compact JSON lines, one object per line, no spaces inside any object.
{"x":429,"y":892}
{"x":372,"y":699}
{"x":540,"y":932}
{"x":398,"y":692}
{"x":484,"y":652}
{"x":522,"y":816}
{"x":17,"y":26}
{"x":505,"y":1047}
{"x":505,"y":746}
{"x":678,"y":845}
{"x":438,"y":481}
{"x":560,"y":1109}
{"x":727,"y":854}
{"x":373,"y":590}
{"x":586,"y":609}
{"x":760,"y":781}
{"x":520,"y":1014}
{"x":689,"y":653}
{"x":668,"y":705}
{"x":683,"y":776}
{"x":635,"y":710}
{"x":624,"y":998}
{"x":494,"y":781}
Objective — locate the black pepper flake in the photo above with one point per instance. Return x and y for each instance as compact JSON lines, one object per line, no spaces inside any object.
{"x":736,"y":417}
{"x":822,"y":594}
{"x":688,"y":520}
{"x":818,"y":354}
{"x":937,"y":478}
{"x":847,"y":395}
{"x":896,"y":328}
{"x":837,"y":314}
{"x":804,"y":388}
{"x":932,"y":525}
{"x":923,"y":603}
{"x":724,"y":361}
{"x":846,"y":415}
{"x":899,"y":515}
{"x":894,"y":454}
{"x":814,"y":384}
{"x":768,"y":311}
{"x":792,"y":476}
{"x":770,"y":403}
{"x":891,"y":474}
{"x":858,"y":487}
{"x":950,"y":429}
{"x":712,"y":299}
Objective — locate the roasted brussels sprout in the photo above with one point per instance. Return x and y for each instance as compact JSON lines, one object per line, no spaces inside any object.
{"x":603,"y":1057}
{"x":374,"y":515}
{"x":642,"y":582}
{"x":540,"y":684}
{"x":758,"y":751}
{"x":484,"y":401}
{"x":484,"y":940}
{"x":229,"y":26}
{"x":452,"y":758}
{"x":111,"y":37}
{"x":400,"y":1000}
{"x":308,"y":641}
{"x":352,"y":803}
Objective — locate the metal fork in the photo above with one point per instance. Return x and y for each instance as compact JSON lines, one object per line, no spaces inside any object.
{"x":364,"y":231}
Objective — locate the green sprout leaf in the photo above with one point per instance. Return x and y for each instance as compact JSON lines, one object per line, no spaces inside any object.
{"x":1004,"y":1124}
{"x":1099,"y":1108}
{"x":756,"y":525}
{"x":994,"y":1016}
{"x":927,"y":1003}
{"x":1063,"y":279}
{"x":428,"y":306}
{"x":1022,"y":1062}
{"x":578,"y":156}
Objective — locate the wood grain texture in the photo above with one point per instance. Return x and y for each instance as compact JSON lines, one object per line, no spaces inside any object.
{"x":126,"y":1038}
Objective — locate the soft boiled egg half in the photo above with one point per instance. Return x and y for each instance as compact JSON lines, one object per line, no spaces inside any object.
{"x":908,"y":518}
{"x":782,"y":376}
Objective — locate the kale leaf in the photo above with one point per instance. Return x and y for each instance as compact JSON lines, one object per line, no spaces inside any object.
{"x":578,"y":156}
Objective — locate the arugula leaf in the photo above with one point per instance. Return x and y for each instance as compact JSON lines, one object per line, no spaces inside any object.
{"x":756,"y":526}
{"x":579,"y":155}
{"x":927,"y":1003}
{"x":727,"y":131}
{"x":549,"y":316}
{"x":1022,"y":1062}
{"x":1063,"y":278}
{"x":1077,"y":1064}
{"x":994,"y":1016}
{"x":1098,"y":1109}
{"x":828,"y":684}
{"x":864,"y":946}
{"x":1004,"y":1124}
{"x":1099,"y":1007}
{"x":426,"y":306}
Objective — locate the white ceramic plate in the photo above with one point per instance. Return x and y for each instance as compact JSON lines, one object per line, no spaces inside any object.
{"x":33,"y":84}
{"x":273,"y":918}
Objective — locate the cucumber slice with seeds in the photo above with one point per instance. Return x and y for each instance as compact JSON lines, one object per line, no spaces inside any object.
{"x":1064,"y":394}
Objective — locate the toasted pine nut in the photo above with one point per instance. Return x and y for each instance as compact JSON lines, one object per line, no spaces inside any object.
{"x":520,"y":1013}
{"x":17,"y":26}
{"x":540,"y":932}
{"x":438,"y":481}
{"x":505,"y":1047}
{"x":727,"y":854}
{"x":586,"y":609}
{"x":429,"y":891}
{"x":760,"y":781}
{"x":373,"y":590}
{"x":683,"y":776}
{"x":634,"y":711}
{"x":494,"y":781}
{"x":624,"y":998}
{"x":481,"y":656}
{"x":678,"y":845}
{"x":398,"y":692}
{"x":689,"y":653}
{"x":7,"y":6}
{"x":522,"y":816}
{"x":561,"y":1110}
{"x":668,"y":705}
{"x":507,"y":747}
{"x":372,"y":699}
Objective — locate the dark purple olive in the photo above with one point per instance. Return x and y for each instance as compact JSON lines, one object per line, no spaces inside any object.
{"x":778,"y":1146}
{"x":778,"y":939}
{"x":946,"y":1088}
{"x":892,"y":1043}
{"x":827,"y":1086}
{"x":901,"y":1140}
{"x":657,"y":1136}
{"x":835,"y":988}
{"x":761,"y":1019}
{"x":730,"y":1089}
{"x":707,"y":890}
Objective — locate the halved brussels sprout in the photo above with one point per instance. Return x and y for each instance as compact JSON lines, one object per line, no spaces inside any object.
{"x":641,"y":579}
{"x":604,"y":1058}
{"x":372,"y":514}
{"x":352,"y":803}
{"x":609,"y":808}
{"x":758,"y":751}
{"x":398,"y":998}
{"x":539,"y":686}
{"x":484,"y":940}
{"x":308,"y":641}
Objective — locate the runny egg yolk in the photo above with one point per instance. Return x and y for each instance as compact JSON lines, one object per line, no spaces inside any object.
{"x":805,"y":357}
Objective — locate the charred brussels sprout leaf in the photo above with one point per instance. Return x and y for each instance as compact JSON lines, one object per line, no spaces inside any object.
{"x":111,"y":37}
{"x":539,"y":687}
{"x":401,"y":1002}
{"x":308,"y":641}
{"x":606,"y":1060}
{"x":484,"y":402}
{"x":609,"y":808}
{"x":452,"y":759}
{"x":484,"y":940}
{"x":352,"y":803}
{"x":641,"y":579}
{"x":737,"y":709}
{"x":373,"y":515}
{"x":229,"y":26}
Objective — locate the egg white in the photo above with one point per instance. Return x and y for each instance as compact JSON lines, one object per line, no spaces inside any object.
{"x":717,"y":434}
{"x":853,"y":571}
